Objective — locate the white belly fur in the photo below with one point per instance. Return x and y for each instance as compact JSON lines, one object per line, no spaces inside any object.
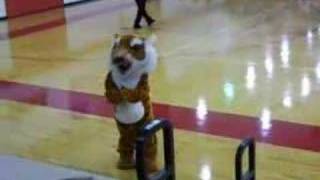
{"x":129,"y":113}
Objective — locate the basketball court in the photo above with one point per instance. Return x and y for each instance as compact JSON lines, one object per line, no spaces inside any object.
{"x":228,"y":69}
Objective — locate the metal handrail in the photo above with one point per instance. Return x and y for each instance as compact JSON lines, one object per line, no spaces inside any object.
{"x":168,"y":172}
{"x":250,"y":174}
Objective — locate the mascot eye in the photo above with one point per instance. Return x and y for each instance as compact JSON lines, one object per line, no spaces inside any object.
{"x":137,"y":47}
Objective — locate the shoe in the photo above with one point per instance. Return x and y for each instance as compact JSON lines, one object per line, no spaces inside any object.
{"x":136,"y":26}
{"x":150,"y":22}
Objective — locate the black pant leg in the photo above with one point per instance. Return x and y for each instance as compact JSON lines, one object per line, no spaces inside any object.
{"x":142,"y":8}
{"x":141,"y":12}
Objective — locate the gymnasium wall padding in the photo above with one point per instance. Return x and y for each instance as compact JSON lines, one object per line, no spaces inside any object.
{"x":3,"y":12}
{"x":22,"y":7}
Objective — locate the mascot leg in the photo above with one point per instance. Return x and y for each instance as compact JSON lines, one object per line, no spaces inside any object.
{"x":151,"y":154}
{"x":126,"y":146}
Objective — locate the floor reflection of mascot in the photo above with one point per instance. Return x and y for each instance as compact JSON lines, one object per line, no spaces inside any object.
{"x":133,"y":58}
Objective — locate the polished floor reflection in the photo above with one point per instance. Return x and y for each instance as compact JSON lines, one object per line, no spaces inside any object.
{"x":228,"y":69}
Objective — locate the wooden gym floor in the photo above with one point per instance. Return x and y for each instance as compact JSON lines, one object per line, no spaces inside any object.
{"x":228,"y":69}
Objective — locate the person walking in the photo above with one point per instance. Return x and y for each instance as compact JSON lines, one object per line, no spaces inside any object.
{"x":142,"y":13}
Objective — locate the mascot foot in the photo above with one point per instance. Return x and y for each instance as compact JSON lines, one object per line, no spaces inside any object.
{"x":152,"y":167}
{"x":126,"y":162}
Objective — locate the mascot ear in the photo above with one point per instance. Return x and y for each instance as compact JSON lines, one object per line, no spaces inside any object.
{"x":116,"y":39}
{"x":152,"y":39}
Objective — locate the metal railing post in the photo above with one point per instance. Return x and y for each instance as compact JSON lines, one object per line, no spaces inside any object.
{"x":168,"y":173}
{"x":250,"y":174}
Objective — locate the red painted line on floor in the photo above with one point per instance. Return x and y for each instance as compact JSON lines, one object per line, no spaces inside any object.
{"x":282,"y":133}
{"x":62,"y":21}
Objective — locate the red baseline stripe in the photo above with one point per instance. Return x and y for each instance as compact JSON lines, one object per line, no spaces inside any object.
{"x":61,"y":21}
{"x":281,"y":133}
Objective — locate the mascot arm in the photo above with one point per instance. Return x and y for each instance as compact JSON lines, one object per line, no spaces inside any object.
{"x":140,"y":93}
{"x":112,"y":93}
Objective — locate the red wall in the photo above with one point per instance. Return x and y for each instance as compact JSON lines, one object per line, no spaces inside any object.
{"x":22,"y":7}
